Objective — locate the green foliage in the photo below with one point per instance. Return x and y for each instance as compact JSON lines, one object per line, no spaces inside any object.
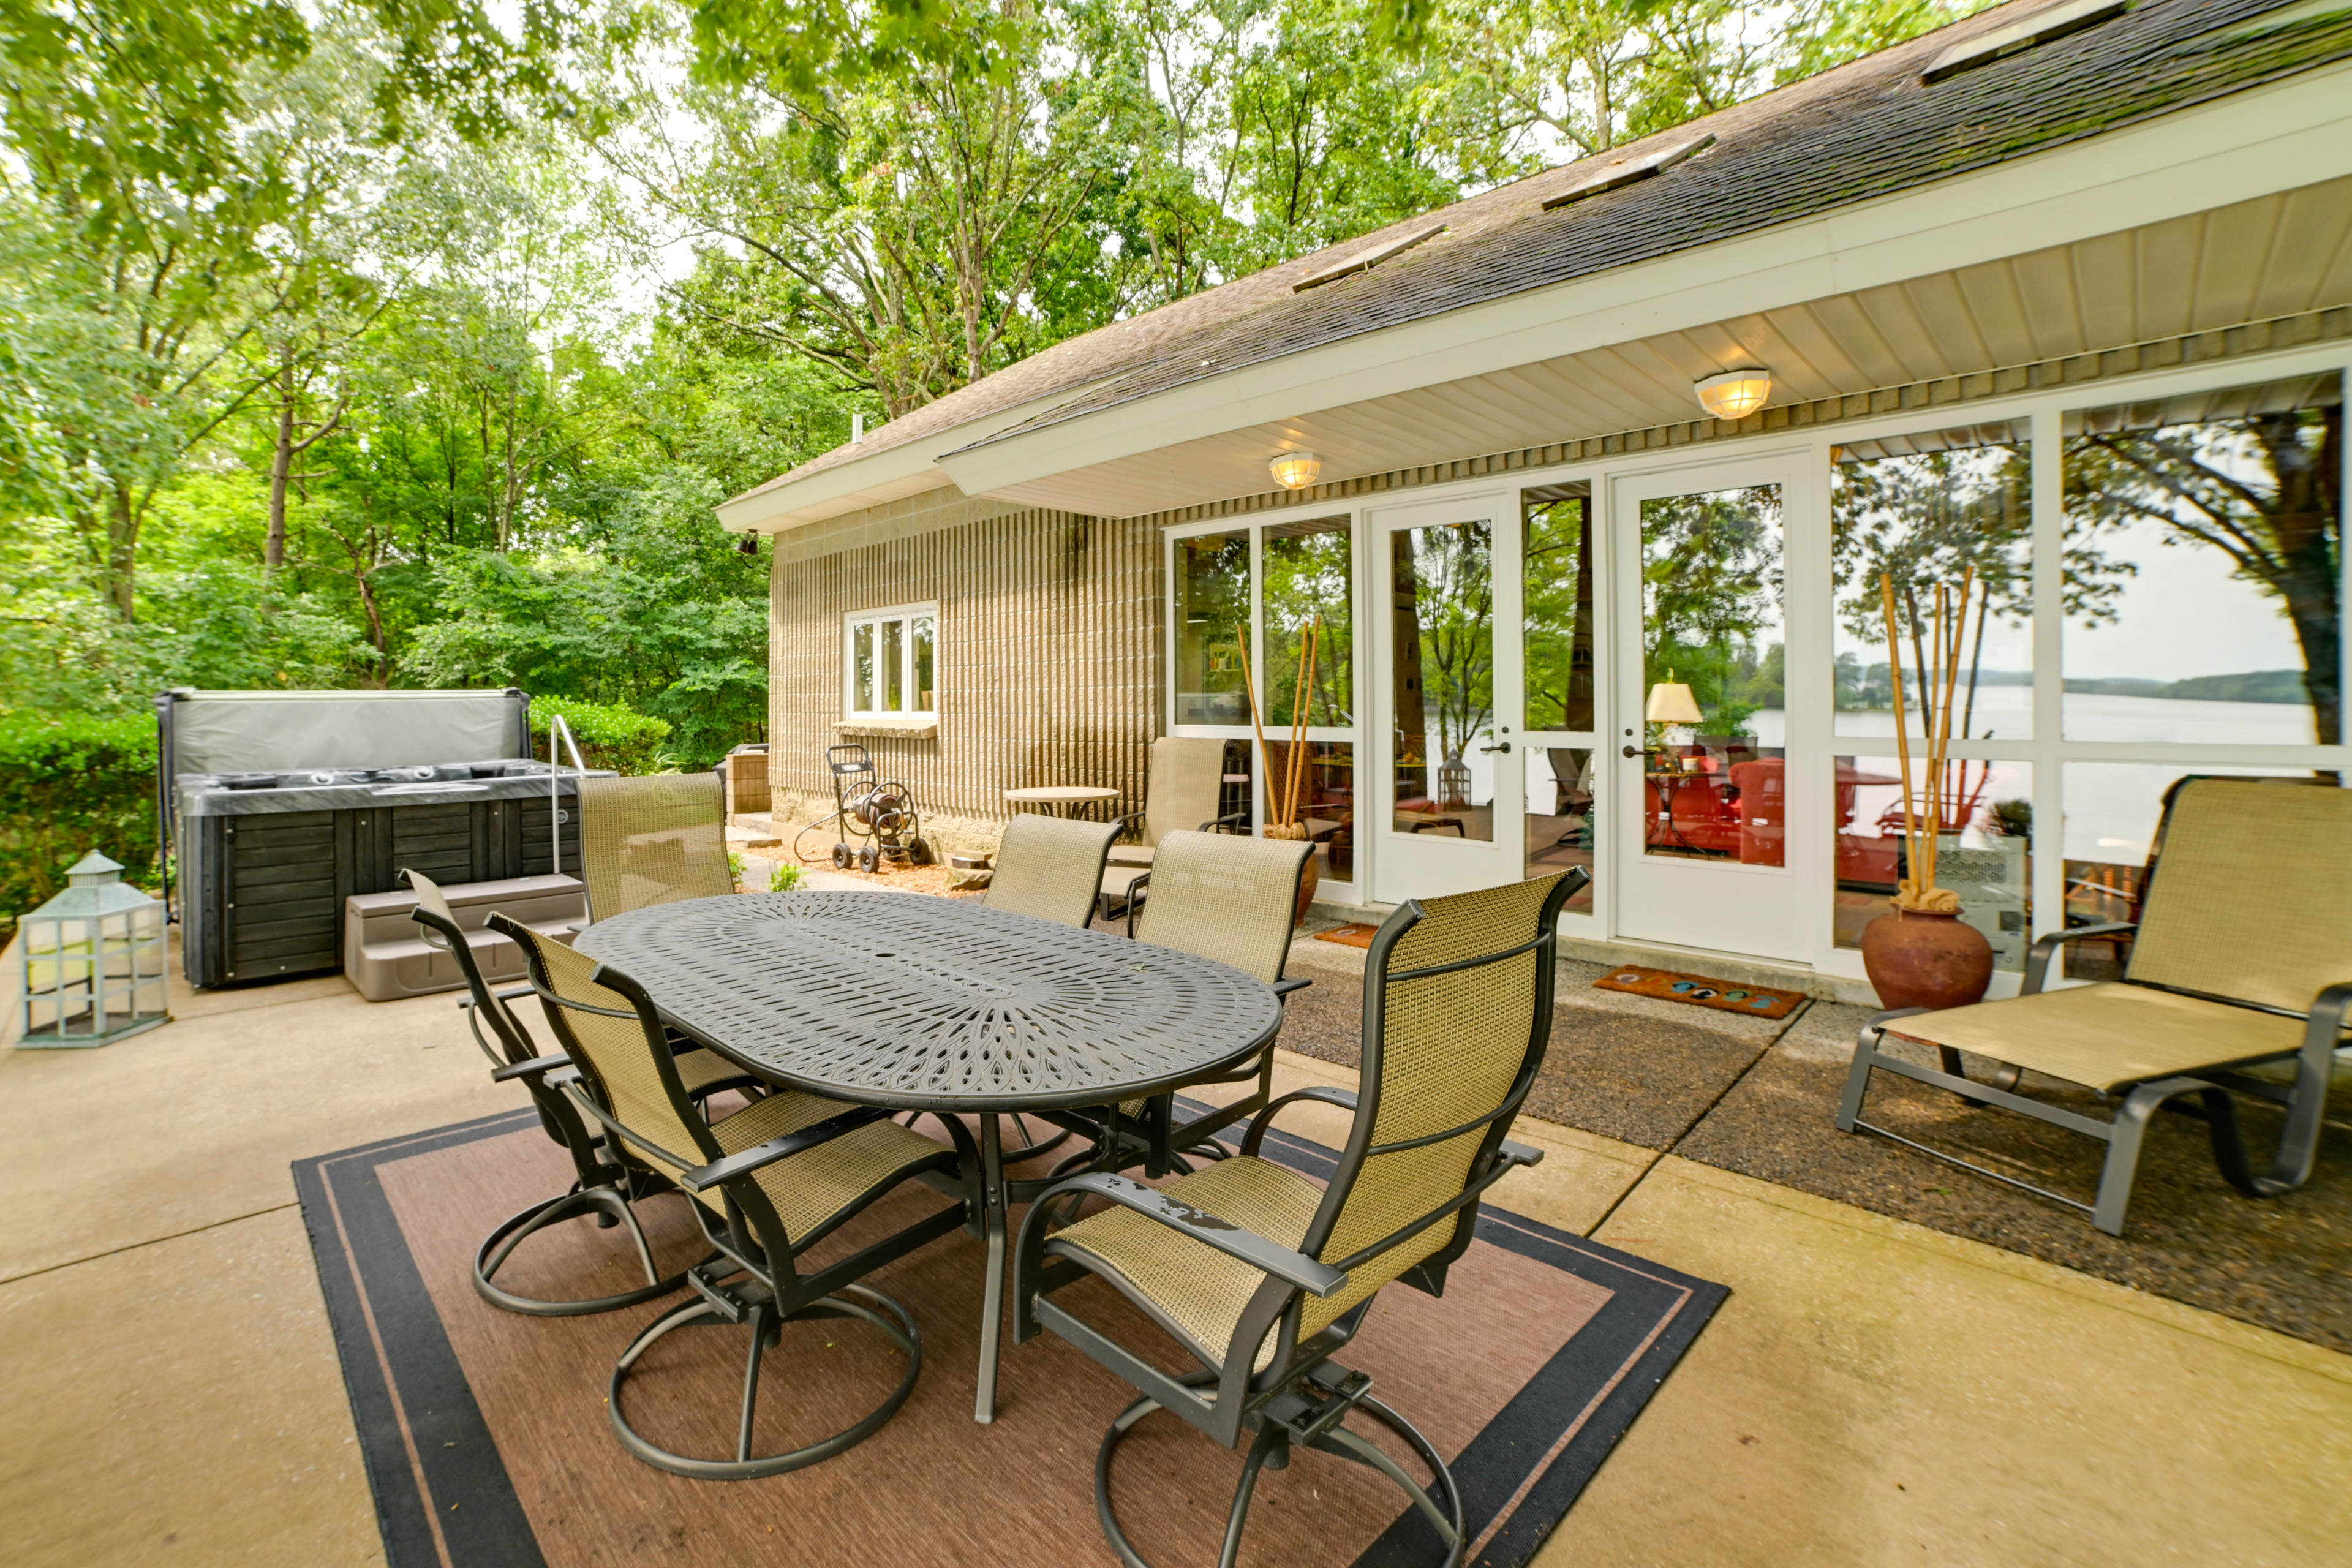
{"x":785,"y":877}
{"x":609,"y":737}
{"x":69,"y":784}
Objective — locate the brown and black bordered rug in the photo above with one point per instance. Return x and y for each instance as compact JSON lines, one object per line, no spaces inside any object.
{"x":485,"y":1438}
{"x":1701,"y":991}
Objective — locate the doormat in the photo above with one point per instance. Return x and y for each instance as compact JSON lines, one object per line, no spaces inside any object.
{"x":1357,"y":935}
{"x":485,"y":1440}
{"x":1756,"y":1001}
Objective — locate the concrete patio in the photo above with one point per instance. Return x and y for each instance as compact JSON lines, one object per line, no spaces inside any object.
{"x":1873,"y":1392}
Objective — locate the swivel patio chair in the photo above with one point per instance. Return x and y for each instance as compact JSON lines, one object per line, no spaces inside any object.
{"x":2242,"y":955}
{"x":1222,"y":897}
{"x":1185,"y":788}
{"x":603,"y":1186}
{"x":768,"y":1182}
{"x":652,"y":840}
{"x":1260,"y":1275}
{"x":1049,"y":866}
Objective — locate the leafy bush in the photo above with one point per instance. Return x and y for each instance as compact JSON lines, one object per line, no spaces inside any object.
{"x":71,"y":783}
{"x":784,"y":878}
{"x":609,"y":736}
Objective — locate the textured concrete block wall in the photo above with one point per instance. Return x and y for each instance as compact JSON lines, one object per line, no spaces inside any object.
{"x":1048,"y":655}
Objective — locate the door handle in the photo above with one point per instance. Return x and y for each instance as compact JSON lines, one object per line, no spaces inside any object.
{"x":1504,"y":747}
{"x":1630,"y":751}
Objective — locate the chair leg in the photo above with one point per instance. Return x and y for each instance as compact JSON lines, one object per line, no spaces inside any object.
{"x":765,"y":1321}
{"x":611,"y":1208}
{"x":1271,"y":1449}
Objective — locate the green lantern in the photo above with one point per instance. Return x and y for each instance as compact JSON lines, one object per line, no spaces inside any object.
{"x":93,"y":962}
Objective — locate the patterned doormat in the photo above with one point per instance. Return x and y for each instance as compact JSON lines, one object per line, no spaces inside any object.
{"x":1355,"y":935}
{"x":1730,"y":996}
{"x":486,"y":1442}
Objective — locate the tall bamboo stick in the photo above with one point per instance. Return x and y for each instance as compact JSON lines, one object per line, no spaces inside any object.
{"x":1902,"y":719}
{"x":1301,"y":701}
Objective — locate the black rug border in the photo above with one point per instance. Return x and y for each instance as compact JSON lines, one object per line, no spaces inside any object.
{"x":453,"y":1490}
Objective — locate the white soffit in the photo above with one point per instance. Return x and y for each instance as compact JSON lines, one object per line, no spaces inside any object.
{"x":1608,"y":338}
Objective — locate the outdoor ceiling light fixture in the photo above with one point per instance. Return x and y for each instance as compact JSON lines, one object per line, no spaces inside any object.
{"x":1295,"y":470}
{"x":1736,"y":394}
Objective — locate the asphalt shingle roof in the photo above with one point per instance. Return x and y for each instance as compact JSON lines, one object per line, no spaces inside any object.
{"x":1865,"y":130}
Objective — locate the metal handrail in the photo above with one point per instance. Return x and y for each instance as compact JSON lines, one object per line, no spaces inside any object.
{"x":556,"y":727}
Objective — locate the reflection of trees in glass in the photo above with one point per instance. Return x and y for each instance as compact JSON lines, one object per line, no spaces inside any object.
{"x":1925,"y":517}
{"x":1444,"y":589}
{"x":1711,"y":594}
{"x":1558,"y":604}
{"x":2264,"y":489}
{"x":1213,"y":601}
{"x":1308,"y":575}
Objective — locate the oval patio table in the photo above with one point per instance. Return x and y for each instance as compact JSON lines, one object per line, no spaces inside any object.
{"x":938,"y":1004}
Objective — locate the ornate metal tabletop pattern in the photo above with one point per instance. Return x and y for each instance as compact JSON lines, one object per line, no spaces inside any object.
{"x":935,"y":1004}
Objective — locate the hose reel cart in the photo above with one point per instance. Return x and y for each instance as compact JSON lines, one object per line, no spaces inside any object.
{"x":879,"y":812}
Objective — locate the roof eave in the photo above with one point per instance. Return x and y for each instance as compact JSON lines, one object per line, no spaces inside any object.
{"x":2271,"y":138}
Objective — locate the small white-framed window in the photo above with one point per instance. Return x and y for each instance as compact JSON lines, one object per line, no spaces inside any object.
{"x":890,"y":662}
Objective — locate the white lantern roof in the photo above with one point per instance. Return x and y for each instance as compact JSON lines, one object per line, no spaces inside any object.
{"x":94,"y":888}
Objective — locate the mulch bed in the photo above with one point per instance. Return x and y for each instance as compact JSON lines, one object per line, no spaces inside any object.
{"x":1768,"y":1112}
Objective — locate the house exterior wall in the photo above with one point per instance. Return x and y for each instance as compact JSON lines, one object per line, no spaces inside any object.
{"x":1049,"y":655}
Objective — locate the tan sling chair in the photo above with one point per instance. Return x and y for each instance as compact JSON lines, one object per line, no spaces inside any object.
{"x":605,"y":1185}
{"x":770,"y":1182}
{"x":1182,"y":794}
{"x":2241,"y":956}
{"x":1049,"y":866}
{"x":1260,"y":1275}
{"x":652,"y":840}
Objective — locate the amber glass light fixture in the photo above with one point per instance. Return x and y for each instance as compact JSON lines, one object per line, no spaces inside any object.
{"x":1295,"y":470}
{"x":1736,"y":394}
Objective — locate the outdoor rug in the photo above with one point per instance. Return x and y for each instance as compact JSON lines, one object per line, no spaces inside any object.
{"x":486,"y":1442}
{"x":1729,"y":996}
{"x":1354,"y":935}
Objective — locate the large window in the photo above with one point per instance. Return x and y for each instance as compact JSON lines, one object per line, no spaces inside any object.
{"x":891,"y":662}
{"x":1269,"y":610}
{"x":2203,"y":567}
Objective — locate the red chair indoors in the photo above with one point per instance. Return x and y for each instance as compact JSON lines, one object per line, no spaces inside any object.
{"x":1763,"y":809}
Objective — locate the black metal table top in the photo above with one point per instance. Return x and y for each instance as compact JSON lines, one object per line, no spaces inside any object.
{"x":934,"y":1003}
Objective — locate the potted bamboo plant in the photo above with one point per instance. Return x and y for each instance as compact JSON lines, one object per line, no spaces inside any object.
{"x":1287,"y":785}
{"x":1922,"y":954}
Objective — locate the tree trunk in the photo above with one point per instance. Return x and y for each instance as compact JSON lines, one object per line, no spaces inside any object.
{"x":121,"y":549}
{"x":281,"y":469}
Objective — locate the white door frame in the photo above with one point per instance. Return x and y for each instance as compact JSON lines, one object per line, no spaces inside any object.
{"x":1419,"y":865}
{"x":1765,"y":912}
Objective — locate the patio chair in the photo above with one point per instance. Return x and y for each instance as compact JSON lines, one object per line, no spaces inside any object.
{"x":1180,"y":795}
{"x":2241,"y":957}
{"x":652,"y":840}
{"x":768,"y":1182}
{"x":1049,"y":866}
{"x":1222,"y":897}
{"x":604,"y":1187}
{"x":1261,"y":1275}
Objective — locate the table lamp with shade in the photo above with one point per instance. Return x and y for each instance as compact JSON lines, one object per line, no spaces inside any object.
{"x":1670,"y":702}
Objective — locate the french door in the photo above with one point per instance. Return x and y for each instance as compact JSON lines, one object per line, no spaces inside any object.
{"x":1703,"y":760}
{"x":1445,"y":781}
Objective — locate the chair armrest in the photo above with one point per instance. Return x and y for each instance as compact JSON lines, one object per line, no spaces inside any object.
{"x":1508,"y":1157}
{"x":1259,"y":1252}
{"x":515,"y":994}
{"x":1131,"y":817}
{"x":785,"y":1148}
{"x":530,"y":1069}
{"x":2037,"y":962}
{"x":1291,"y":984}
{"x":1520,"y":1153}
{"x":1228,"y":820}
{"x":1134,"y":901}
{"x":1345,"y":1098}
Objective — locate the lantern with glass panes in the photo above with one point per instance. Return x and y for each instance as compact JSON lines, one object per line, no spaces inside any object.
{"x":1453,"y":783}
{"x":93,"y":961}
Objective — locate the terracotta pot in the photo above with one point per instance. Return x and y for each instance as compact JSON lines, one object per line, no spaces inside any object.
{"x":1310,"y":878}
{"x":1917,"y":958}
